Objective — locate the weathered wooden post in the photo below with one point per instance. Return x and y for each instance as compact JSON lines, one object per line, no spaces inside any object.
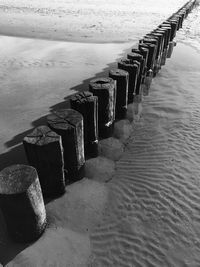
{"x":144,"y":53}
{"x":167,"y":29}
{"x":22,"y":203}
{"x":159,"y":38}
{"x":177,"y":17}
{"x":105,"y":90}
{"x":151,"y":53}
{"x":154,"y":41}
{"x":165,"y":34}
{"x":44,"y":151}
{"x":173,"y":33}
{"x":150,"y":64}
{"x":182,"y":14}
{"x":135,"y":57}
{"x":121,"y":77}
{"x":132,"y":69}
{"x":87,"y":105}
{"x":68,"y":123}
{"x":174,"y":22}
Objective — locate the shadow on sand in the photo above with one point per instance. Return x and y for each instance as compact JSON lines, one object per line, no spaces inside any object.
{"x":16,"y":155}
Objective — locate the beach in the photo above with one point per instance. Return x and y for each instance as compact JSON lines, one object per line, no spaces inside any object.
{"x":148,"y":213}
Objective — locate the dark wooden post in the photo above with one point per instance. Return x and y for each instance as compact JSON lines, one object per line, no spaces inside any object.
{"x":105,"y":89}
{"x":172,"y":34}
{"x":87,"y":105}
{"x":173,"y":28}
{"x":158,"y":38}
{"x":151,"y":55}
{"x":182,"y":14}
{"x":165,"y":33}
{"x":121,"y":77}
{"x":132,"y":69}
{"x":150,"y":65}
{"x":139,"y":58}
{"x":22,"y":203}
{"x":178,"y":18}
{"x":161,"y":37}
{"x":68,"y":123}
{"x":154,"y":41}
{"x":174,"y":23}
{"x":167,"y":28}
{"x":44,"y":151}
{"x":144,"y":52}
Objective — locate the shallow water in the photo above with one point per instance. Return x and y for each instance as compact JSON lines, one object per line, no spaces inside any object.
{"x":153,"y":214}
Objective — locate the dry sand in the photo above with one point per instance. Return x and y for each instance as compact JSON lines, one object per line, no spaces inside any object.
{"x":83,"y":20}
{"x":148,"y":214}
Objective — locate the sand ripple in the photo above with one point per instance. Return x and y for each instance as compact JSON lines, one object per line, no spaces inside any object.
{"x":153,"y":213}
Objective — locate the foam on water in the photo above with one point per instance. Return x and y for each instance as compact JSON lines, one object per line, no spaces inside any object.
{"x":153,"y":213}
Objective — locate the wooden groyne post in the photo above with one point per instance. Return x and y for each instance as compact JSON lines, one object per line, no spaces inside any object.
{"x":87,"y":105}
{"x":44,"y":151}
{"x":121,"y":77}
{"x":21,"y":202}
{"x":105,"y":89}
{"x":132,"y":69}
{"x":68,"y":123}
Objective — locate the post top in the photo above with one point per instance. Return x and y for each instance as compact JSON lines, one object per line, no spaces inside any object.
{"x":16,"y":179}
{"x":64,"y":119}
{"x":42,"y":135}
{"x":118,"y":72}
{"x":102,"y":83}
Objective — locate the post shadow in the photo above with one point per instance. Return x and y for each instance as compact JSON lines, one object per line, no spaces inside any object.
{"x":16,"y":155}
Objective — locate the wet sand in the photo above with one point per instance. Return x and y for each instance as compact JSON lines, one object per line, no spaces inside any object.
{"x":148,"y":214}
{"x":152,"y":216}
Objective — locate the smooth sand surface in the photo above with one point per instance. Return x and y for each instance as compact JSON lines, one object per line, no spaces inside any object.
{"x":84,"y":20}
{"x":148,"y":214}
{"x":37,"y":76}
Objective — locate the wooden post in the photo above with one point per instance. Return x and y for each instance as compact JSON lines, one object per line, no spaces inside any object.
{"x":173,"y":28}
{"x":139,"y":58}
{"x":165,"y":33}
{"x":68,"y":123}
{"x":154,"y":41}
{"x":44,"y":151}
{"x":87,"y":105}
{"x":151,"y":55}
{"x":175,"y":23}
{"x":105,"y":89}
{"x":144,"y":52}
{"x":168,"y":30}
{"x":22,"y":203}
{"x":182,"y":14}
{"x":159,"y":39}
{"x":121,"y":77}
{"x":150,"y":64}
{"x":172,"y":35}
{"x":177,"y":17}
{"x":132,"y":69}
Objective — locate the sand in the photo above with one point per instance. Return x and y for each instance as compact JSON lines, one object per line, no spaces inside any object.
{"x":153,"y":212}
{"x":83,"y":20}
{"x":148,"y":213}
